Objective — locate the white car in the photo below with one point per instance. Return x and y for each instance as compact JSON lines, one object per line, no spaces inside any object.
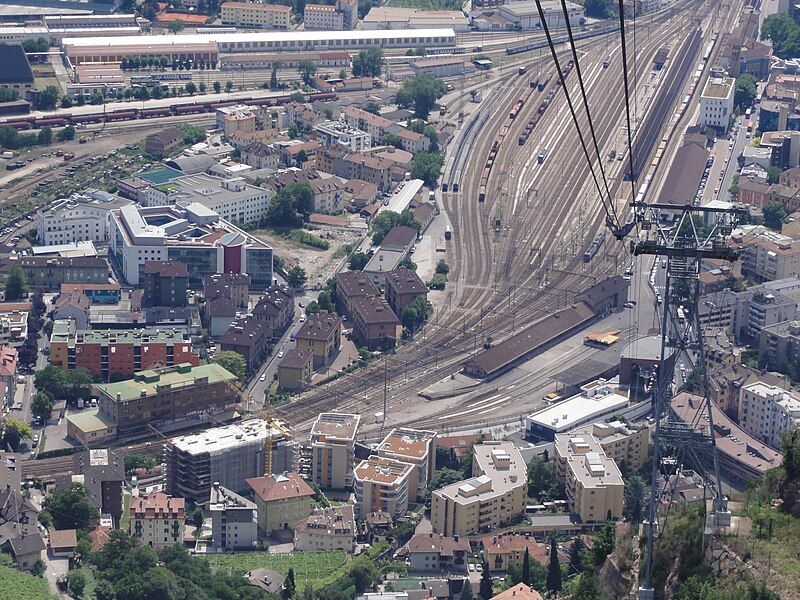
{"x":479,"y":568}
{"x":263,"y":377}
{"x":302,"y":319}
{"x":280,"y":354}
{"x":471,"y":568}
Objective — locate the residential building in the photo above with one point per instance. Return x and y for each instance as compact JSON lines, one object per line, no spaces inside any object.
{"x":768,"y":413}
{"x":275,"y":309}
{"x":624,"y":443}
{"x":332,"y":443}
{"x":97,"y":293}
{"x":768,"y":255}
{"x":13,"y":327}
{"x":322,"y":335}
{"x":194,"y":235}
{"x":63,"y":542}
{"x":596,"y":400}
{"x":351,"y":285}
{"x":228,"y":455}
{"x":341,"y":16}
{"x":256,"y":15}
{"x":8,"y":375}
{"x":295,"y":369}
{"x":518,"y":592}
{"x":439,"y":553}
{"x":47,"y":273}
{"x":249,"y":337}
{"x":328,"y":190}
{"x":382,"y":484}
{"x":339,"y":133}
{"x":376,"y":126}
{"x":507,"y":550}
{"x":375,"y":326}
{"x":234,"y":520}
{"x":356,"y":166}
{"x":764,"y":309}
{"x":164,"y":143}
{"x":81,"y":217}
{"x":17,"y":74}
{"x":118,"y":353}
{"x":332,"y":528}
{"x":261,"y":156}
{"x":416,"y":448}
{"x":230,"y":285}
{"x":165,"y":283}
{"x":494,"y":496}
{"x":19,"y":534}
{"x":283,"y":500}
{"x":780,"y":343}
{"x":592,"y":481}
{"x":72,"y":306}
{"x":156,"y":520}
{"x":156,"y":397}
{"x":403,"y":286}
{"x":716,"y":102}
{"x":102,"y":472}
{"x":219,"y":314}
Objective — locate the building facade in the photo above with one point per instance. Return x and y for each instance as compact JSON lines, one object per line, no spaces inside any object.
{"x":256,"y":15}
{"x":234,"y":520}
{"x":283,"y":500}
{"x":415,"y":447}
{"x":332,"y":528}
{"x":768,"y":413}
{"x":321,"y":335}
{"x":382,"y":484}
{"x":156,"y":520}
{"x":716,"y":102}
{"x":333,"y":440}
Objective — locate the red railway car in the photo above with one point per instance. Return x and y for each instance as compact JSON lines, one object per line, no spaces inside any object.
{"x":121,"y":115}
{"x":52,"y":122}
{"x":149,"y":113}
{"x":188,"y":109}
{"x":95,"y":118}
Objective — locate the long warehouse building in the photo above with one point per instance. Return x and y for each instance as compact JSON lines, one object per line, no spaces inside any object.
{"x":209,"y":46}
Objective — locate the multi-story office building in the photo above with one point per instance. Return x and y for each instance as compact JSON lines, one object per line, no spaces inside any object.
{"x":256,"y":15}
{"x":331,"y":528}
{"x":165,"y":283}
{"x":234,"y":520}
{"x":228,"y":455}
{"x":592,"y":481}
{"x":768,"y":413}
{"x":194,"y":235}
{"x":333,"y":443}
{"x":382,"y":484}
{"x":416,"y":448}
{"x":82,"y":217}
{"x":283,"y":499}
{"x":156,"y":520}
{"x":115,"y":353}
{"x":494,"y":496}
{"x":716,"y":102}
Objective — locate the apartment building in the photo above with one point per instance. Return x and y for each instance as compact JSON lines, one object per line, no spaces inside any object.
{"x":283,"y":499}
{"x":416,"y":448}
{"x":115,"y":353}
{"x":403,"y":286}
{"x":716,"y":102}
{"x":592,"y":481}
{"x":437,"y":553}
{"x":256,"y":15}
{"x":507,"y":550}
{"x":296,"y":369}
{"x":13,"y":327}
{"x":194,"y":235}
{"x":321,"y":334}
{"x":768,"y":256}
{"x":261,"y":156}
{"x":230,"y":285}
{"x":494,"y":496}
{"x":331,"y":528}
{"x":228,"y":455}
{"x":341,"y":16}
{"x":351,"y":285}
{"x":768,"y":413}
{"x":164,"y":142}
{"x":375,"y":326}
{"x":378,"y":127}
{"x":780,"y":343}
{"x":8,"y":374}
{"x":102,"y":472}
{"x":275,"y":309}
{"x":356,"y":166}
{"x":249,"y":337}
{"x":234,"y":520}
{"x":156,"y":520}
{"x":83,"y":216}
{"x":382,"y":484}
{"x":47,"y":273}
{"x":768,"y":308}
{"x":165,"y":283}
{"x":623,"y":443}
{"x":339,"y":133}
{"x":333,"y":442}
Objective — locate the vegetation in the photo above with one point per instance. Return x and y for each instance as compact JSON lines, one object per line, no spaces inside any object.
{"x":307,"y":70}
{"x":385,"y":221}
{"x":437,"y":282}
{"x":14,"y":432}
{"x":442,"y":267}
{"x":604,"y":543}
{"x":17,"y":585}
{"x":71,"y":386}
{"x":744,"y":94}
{"x":634,"y":501}
{"x":70,"y":508}
{"x":784,"y":33}
{"x":289,"y":207}
{"x":317,"y":568}
{"x":773,"y":174}
{"x":553,"y":568}
{"x":233,"y":362}
{"x":422,"y":92}
{"x":427,"y":166}
{"x":16,"y":287}
{"x":541,"y":479}
{"x":192,"y":134}
{"x":358,"y":260}
{"x":368,"y":63}
{"x":296,"y":277}
{"x":774,"y":214}
{"x":309,"y":239}
{"x":42,"y":405}
{"x":134,"y":461}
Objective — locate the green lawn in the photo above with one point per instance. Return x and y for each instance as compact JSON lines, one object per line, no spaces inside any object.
{"x":15,"y":585}
{"x":316,"y":568}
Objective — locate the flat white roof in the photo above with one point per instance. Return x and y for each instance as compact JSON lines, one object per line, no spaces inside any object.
{"x":266,"y":36}
{"x":223,"y":438}
{"x":579,"y":409}
{"x":400,"y":200}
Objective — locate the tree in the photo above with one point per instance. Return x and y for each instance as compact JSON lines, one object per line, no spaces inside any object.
{"x":774,"y":214}
{"x":48,"y":98}
{"x":393,"y":140}
{"x":201,"y":88}
{"x":273,"y":77}
{"x":233,"y":362}
{"x":39,"y":568}
{"x":192,"y":134}
{"x":783,"y":31}
{"x":442,"y":267}
{"x":76,"y":583}
{"x":597,"y":8}
{"x":416,"y":313}
{"x":541,"y":479}
{"x":773,"y":174}
{"x":289,"y":586}
{"x":588,"y":587}
{"x":325,"y":302}
{"x":296,"y":277}
{"x":175,"y":26}
{"x":368,"y":63}
{"x":427,"y":166}
{"x":42,"y":405}
{"x":358,"y":260}
{"x":217,"y":87}
{"x":466,"y":591}
{"x":576,"y":556}
{"x":526,"y":567}
{"x":66,"y":134}
{"x":52,"y":381}
{"x":423,"y":91}
{"x":383,"y":222}
{"x":70,"y":508}
{"x":14,"y":432}
{"x":633,"y":509}
{"x":553,"y":568}
{"x":228,"y":86}
{"x":745,"y":91}
{"x":312,"y":307}
{"x":290,"y":206}
{"x":16,"y":285}
{"x":191,"y":88}
{"x":307,"y":70}
{"x":486,"y":588}
{"x":45,"y":136}
{"x":197,"y":519}
{"x":134,"y":461}
{"x":8,"y":94}
{"x":604,"y":543}
{"x":372,"y":107}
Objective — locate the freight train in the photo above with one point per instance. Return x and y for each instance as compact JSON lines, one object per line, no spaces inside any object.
{"x":129,"y":114}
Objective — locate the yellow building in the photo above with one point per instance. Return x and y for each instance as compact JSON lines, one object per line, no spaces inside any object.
{"x":282,"y":500}
{"x":416,"y":448}
{"x":322,"y":335}
{"x":382,"y":484}
{"x":295,"y":369}
{"x":256,"y":15}
{"x":493,"y":497}
{"x":625,"y":444}
{"x":592,"y":481}
{"x":333,"y":447}
{"x":157,"y":520}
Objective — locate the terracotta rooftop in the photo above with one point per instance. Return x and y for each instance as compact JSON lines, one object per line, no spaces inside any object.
{"x":513,"y":543}
{"x":406,"y":281}
{"x":319,"y":326}
{"x":436,"y":542}
{"x":157,"y":506}
{"x":405,"y":442}
{"x":281,"y":486}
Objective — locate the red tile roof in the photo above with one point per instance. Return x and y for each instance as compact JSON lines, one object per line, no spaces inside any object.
{"x":282,"y":486}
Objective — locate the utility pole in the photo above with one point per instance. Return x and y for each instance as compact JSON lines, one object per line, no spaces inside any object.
{"x":385,"y":388}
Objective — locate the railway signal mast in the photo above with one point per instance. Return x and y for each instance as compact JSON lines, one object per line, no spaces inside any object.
{"x":683,"y":245}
